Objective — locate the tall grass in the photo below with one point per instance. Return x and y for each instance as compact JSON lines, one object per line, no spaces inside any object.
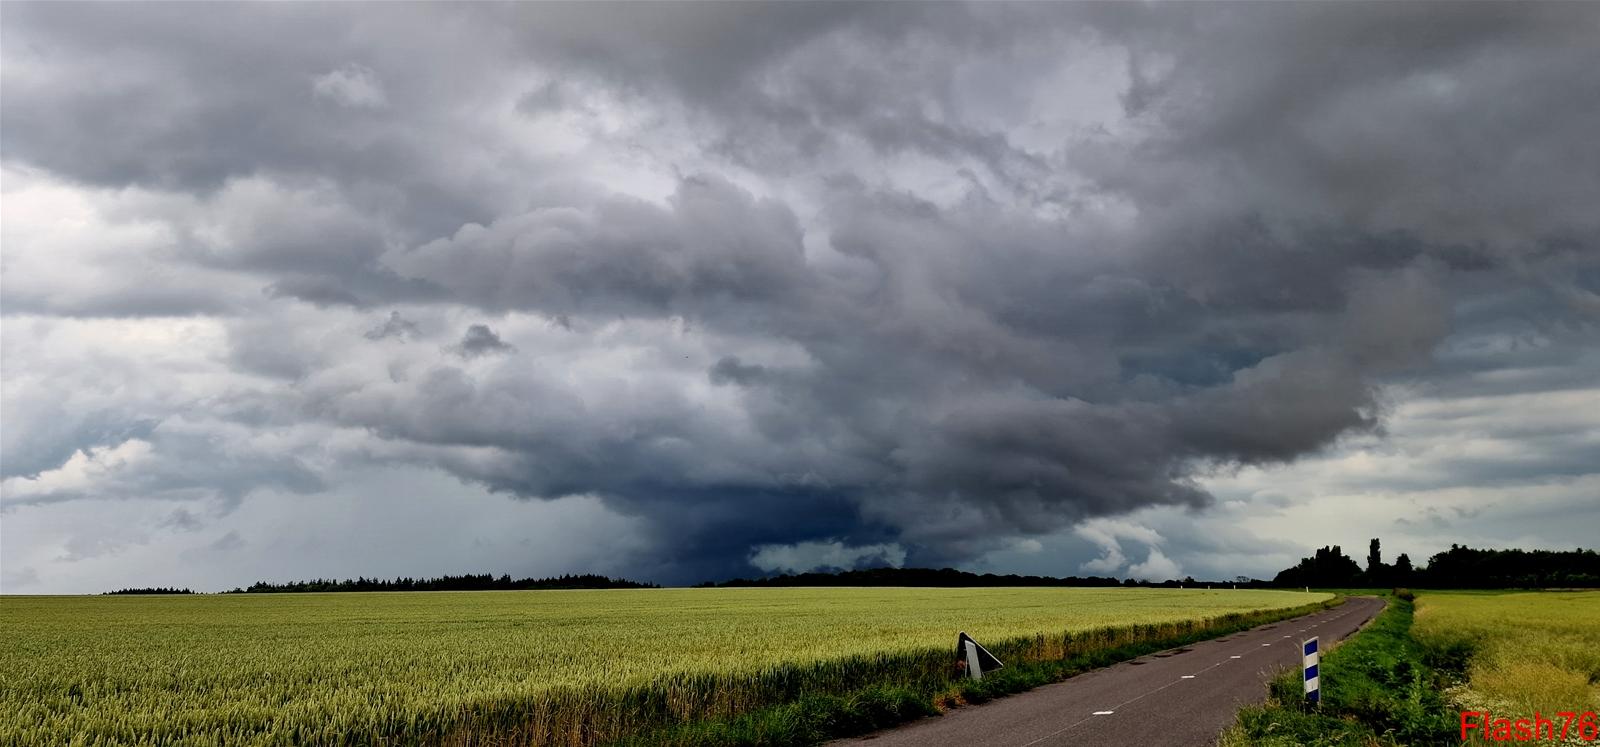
{"x":1537,"y":651}
{"x":572,"y":668}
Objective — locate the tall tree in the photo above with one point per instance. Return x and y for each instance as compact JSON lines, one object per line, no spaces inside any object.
{"x":1329,"y":568}
{"x":1374,"y":558}
{"x":1402,"y":569}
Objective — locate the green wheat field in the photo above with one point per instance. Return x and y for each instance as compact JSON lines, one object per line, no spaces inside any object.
{"x":563,"y":667}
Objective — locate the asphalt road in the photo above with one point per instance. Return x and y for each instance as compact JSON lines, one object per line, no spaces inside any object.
{"x":1184,"y":696}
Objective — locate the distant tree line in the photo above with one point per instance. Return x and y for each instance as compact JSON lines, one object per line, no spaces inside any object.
{"x":1465,"y":568}
{"x":941,"y":577}
{"x":470,"y":582}
{"x":1457,"y":568}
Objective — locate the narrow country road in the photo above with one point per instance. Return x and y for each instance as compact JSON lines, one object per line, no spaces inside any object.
{"x":1183,"y":696}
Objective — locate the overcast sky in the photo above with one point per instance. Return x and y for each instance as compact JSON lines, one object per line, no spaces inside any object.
{"x":685,"y":292}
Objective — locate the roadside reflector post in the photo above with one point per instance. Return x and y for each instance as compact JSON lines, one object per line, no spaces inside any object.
{"x":1309,"y":659}
{"x":974,"y":659}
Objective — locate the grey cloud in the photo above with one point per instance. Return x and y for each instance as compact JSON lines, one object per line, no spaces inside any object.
{"x":83,"y":547}
{"x":229,"y":541}
{"x":553,"y":96}
{"x":480,"y":341}
{"x":52,"y":442}
{"x":179,"y":462}
{"x":187,"y":99}
{"x":730,"y":370}
{"x":351,"y":85}
{"x":395,"y":326}
{"x":19,"y":578}
{"x":715,"y":244}
{"x":216,"y":550}
{"x":182,"y":519}
{"x":850,"y":276}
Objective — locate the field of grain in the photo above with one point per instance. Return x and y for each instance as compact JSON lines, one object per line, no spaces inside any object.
{"x":1531,"y":651}
{"x":572,"y":667}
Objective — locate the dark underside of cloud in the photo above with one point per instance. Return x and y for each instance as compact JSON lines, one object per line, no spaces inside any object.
{"x":934,"y":276}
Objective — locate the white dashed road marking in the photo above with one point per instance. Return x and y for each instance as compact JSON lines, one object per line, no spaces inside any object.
{"x":1073,"y":725}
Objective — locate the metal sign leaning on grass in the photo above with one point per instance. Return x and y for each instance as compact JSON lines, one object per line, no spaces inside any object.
{"x":974,"y":659}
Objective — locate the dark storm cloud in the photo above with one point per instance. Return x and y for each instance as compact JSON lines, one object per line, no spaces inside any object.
{"x":179,"y":97}
{"x":934,"y":304}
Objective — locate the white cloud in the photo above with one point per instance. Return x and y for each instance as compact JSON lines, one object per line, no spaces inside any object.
{"x":809,"y":556}
{"x":1107,"y":535}
{"x":81,"y":251}
{"x":81,"y":473}
{"x":1156,"y":567}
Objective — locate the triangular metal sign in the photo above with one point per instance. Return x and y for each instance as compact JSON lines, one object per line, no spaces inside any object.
{"x":973,"y":658}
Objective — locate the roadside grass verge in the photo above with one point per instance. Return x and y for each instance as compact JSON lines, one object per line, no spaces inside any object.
{"x":1377,"y":689}
{"x":814,"y":717}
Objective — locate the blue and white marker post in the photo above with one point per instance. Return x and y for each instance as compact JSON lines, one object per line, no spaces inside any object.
{"x":1310,"y":658}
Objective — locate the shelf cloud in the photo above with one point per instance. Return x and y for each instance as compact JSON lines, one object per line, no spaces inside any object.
{"x":777,"y":286}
